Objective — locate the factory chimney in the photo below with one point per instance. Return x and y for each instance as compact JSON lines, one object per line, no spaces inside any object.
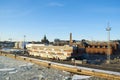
{"x":71,"y":41}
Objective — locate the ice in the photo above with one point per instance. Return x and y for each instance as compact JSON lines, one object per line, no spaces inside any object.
{"x":11,"y":69}
{"x":12,"y":72}
{"x":7,"y":78}
{"x":7,"y":69}
{"x":78,"y":77}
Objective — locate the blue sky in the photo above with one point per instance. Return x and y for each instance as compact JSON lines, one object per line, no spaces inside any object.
{"x":57,"y":18}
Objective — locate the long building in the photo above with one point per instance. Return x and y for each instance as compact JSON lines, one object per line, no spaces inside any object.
{"x":100,"y":47}
{"x":50,"y":51}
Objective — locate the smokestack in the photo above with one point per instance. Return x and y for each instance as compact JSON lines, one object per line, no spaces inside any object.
{"x":71,"y":41}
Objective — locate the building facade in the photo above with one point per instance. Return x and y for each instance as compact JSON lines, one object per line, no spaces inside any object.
{"x":50,"y":51}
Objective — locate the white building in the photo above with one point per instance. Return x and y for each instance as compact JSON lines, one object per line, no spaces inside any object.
{"x":49,"y":51}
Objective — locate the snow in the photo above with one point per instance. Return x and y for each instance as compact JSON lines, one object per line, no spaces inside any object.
{"x":98,"y":70}
{"x":84,"y":68}
{"x":78,"y":67}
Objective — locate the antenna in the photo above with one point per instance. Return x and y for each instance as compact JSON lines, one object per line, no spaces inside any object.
{"x":108,"y":29}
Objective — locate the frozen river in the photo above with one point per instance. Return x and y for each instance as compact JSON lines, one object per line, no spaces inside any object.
{"x":11,"y":69}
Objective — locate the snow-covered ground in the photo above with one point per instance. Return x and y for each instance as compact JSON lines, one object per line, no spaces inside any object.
{"x":11,"y":69}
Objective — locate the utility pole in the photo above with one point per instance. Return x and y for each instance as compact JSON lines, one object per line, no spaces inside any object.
{"x":0,"y":37}
{"x":108,"y":29}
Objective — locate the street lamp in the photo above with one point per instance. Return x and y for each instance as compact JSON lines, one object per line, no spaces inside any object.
{"x":108,"y":29}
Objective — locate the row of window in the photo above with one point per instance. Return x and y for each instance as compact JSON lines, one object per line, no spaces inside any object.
{"x":97,"y":46}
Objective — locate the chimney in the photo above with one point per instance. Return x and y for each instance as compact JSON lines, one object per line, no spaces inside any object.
{"x":71,"y":41}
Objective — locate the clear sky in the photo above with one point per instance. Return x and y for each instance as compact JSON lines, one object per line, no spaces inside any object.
{"x":85,"y":19}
